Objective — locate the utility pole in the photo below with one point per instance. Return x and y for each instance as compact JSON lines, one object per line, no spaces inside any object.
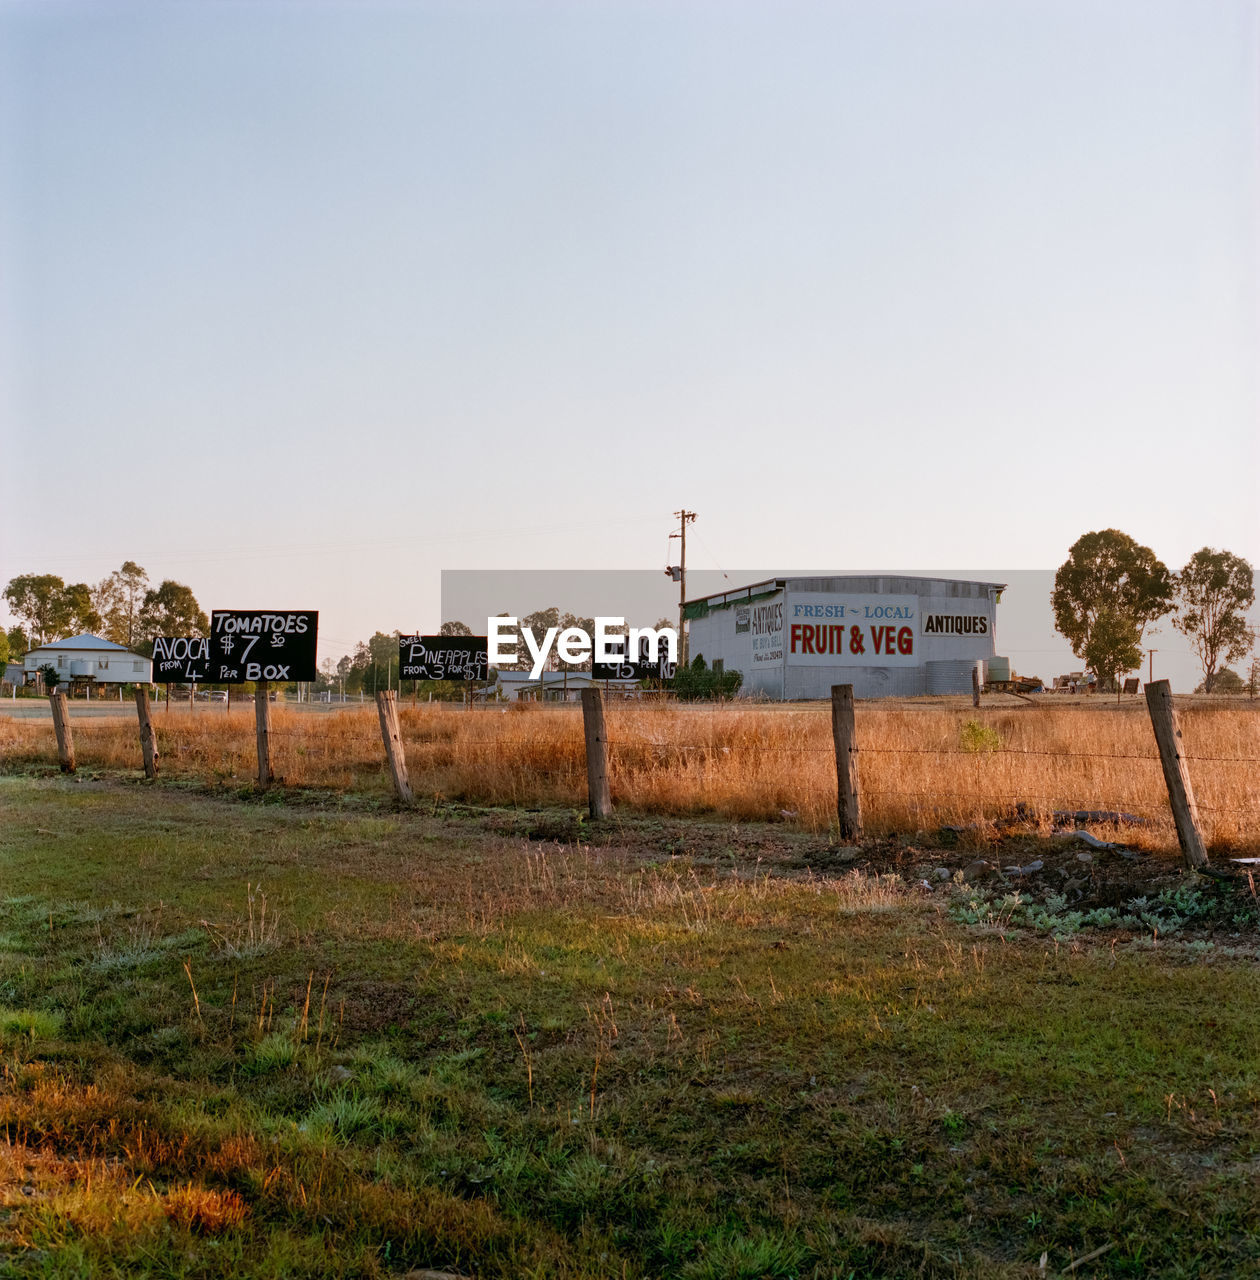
{"x":685,"y":517}
{"x":1150,"y":675}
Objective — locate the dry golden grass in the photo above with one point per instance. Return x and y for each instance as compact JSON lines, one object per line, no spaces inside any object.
{"x":204,"y":1209}
{"x":920,"y":767}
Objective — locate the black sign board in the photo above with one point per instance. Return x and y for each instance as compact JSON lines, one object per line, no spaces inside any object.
{"x":252,"y":644}
{"x":443,"y":658}
{"x":650,"y":666}
{"x":180,"y":659}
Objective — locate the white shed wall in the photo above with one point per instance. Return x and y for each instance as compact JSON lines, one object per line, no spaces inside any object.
{"x":722,"y":636}
{"x":954,"y":626}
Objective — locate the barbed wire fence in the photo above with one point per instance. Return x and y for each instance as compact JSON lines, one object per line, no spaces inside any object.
{"x":902,"y":786}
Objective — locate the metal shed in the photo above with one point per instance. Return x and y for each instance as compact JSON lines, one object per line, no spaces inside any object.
{"x":885,"y":634}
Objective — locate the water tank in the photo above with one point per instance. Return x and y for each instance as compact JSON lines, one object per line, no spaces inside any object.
{"x":999,"y":668}
{"x":82,"y":668}
{"x":951,"y":675}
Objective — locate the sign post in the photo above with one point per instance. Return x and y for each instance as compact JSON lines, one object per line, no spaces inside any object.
{"x":848,"y":803}
{"x":262,"y":727}
{"x":420,"y":657}
{"x":1159,"y":703}
{"x":61,"y":727}
{"x":387,"y":710}
{"x":259,"y":647}
{"x":599,"y":796}
{"x":148,"y":738}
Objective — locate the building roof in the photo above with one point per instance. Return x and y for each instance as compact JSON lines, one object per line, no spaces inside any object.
{"x":873,"y":583}
{"x":85,"y":641}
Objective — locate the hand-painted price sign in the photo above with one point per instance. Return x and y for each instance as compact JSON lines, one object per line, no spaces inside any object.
{"x":180,"y":659}
{"x":443,"y":658}
{"x":247,"y":645}
{"x":650,"y":666}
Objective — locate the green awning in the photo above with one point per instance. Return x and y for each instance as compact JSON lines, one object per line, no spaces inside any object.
{"x":702,"y":608}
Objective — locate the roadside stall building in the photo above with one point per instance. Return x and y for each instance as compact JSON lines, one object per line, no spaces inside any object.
{"x":886,"y":635}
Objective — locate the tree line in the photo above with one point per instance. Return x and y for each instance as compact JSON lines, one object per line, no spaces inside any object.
{"x":1108,"y":594}
{"x":122,"y":607}
{"x":374,"y":663}
{"x":125,"y":608}
{"x":1111,"y":590}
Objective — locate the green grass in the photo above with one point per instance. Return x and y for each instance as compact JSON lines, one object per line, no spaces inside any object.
{"x":244,"y":1040}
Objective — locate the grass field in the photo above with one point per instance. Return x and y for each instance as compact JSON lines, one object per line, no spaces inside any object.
{"x":920,"y":766}
{"x":320,"y":1038}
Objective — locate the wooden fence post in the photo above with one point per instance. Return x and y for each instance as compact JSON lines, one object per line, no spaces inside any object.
{"x":61,"y":726}
{"x":1159,"y":703}
{"x":262,"y":724}
{"x":848,"y":806}
{"x":148,"y":737}
{"x":975,"y":684}
{"x":387,"y":709}
{"x":598,"y":793}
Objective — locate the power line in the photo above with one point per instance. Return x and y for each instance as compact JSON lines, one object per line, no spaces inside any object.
{"x":253,"y":551}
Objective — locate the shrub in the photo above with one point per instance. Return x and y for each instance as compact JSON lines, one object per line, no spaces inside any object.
{"x":696,"y":682}
{"x":976,"y":737}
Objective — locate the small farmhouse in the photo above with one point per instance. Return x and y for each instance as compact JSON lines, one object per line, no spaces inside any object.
{"x":89,"y":660}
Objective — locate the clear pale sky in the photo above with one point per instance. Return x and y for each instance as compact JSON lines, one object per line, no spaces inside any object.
{"x":302,"y":304}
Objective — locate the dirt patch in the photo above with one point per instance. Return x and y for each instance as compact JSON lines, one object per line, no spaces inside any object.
{"x":373,"y":1006}
{"x":1068,"y":871}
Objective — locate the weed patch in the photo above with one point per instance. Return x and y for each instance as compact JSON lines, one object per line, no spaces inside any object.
{"x":1169,"y":913}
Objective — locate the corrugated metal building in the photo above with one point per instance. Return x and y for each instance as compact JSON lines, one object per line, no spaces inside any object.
{"x":886,"y":635}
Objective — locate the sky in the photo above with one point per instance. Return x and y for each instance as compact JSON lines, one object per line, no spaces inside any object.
{"x":303,"y":304}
